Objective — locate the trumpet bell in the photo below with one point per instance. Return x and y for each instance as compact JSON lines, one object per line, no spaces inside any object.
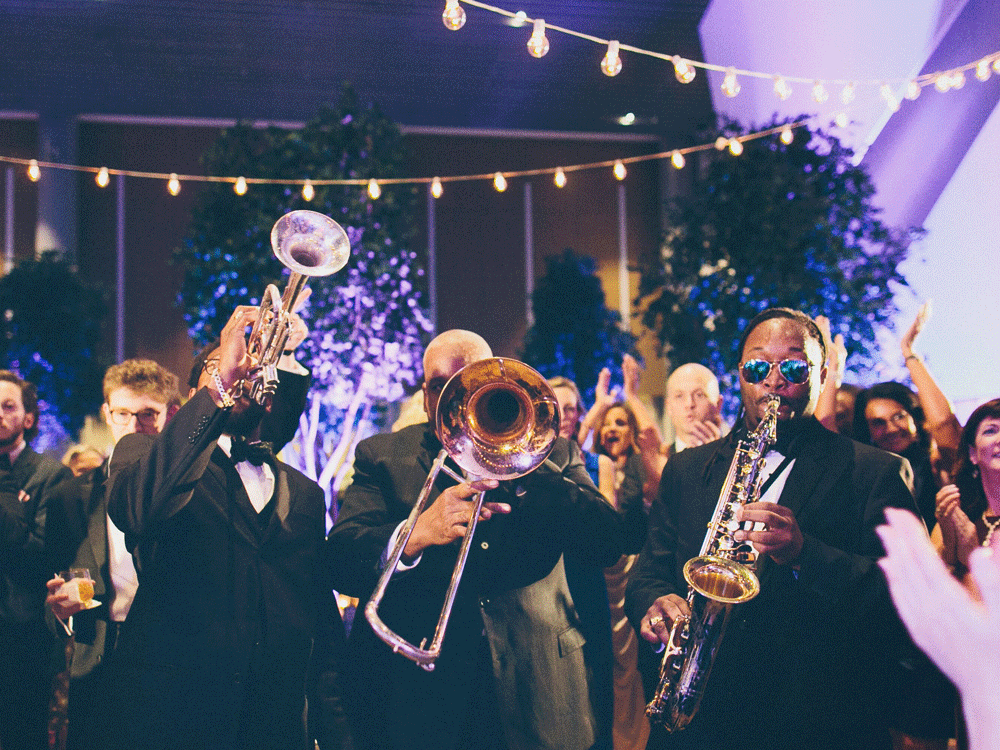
{"x":310,"y":244}
{"x":497,"y":418}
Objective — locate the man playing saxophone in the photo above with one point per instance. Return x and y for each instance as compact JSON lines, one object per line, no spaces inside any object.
{"x":807,"y":661}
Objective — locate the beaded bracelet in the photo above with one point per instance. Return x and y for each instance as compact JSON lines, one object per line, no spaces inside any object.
{"x":227,"y":400}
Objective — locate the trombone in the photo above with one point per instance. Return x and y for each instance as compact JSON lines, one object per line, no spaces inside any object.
{"x":307,"y":244}
{"x":497,"y":419}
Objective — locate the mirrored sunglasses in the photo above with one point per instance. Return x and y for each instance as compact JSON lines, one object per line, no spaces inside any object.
{"x":793,"y":370}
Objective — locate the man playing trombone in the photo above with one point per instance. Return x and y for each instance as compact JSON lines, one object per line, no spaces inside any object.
{"x":511,"y":672}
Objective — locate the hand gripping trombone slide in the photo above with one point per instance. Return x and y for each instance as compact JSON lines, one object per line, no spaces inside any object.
{"x":497,"y":419}
{"x":722,"y":575}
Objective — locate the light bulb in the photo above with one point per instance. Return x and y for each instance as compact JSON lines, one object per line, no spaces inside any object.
{"x":173,"y":184}
{"x":241,"y":186}
{"x":453,"y":16}
{"x":787,"y":136}
{"x":611,"y":65}
{"x":520,"y":18}
{"x":436,"y":187}
{"x":730,"y":86}
{"x":308,"y":191}
{"x":841,"y":120}
{"x":677,"y":159}
{"x":499,"y":182}
{"x":721,"y":142}
{"x":34,"y":173}
{"x":619,"y":170}
{"x":683,"y":70}
{"x":890,"y":98}
{"x":942,"y":82}
{"x":374,"y":191}
{"x":538,"y":44}
{"x":735,"y":147}
{"x":847,"y":94}
{"x":103,"y":177}
{"x":820,"y":93}
{"x":958,"y":79}
{"x":912,"y":90}
{"x":983,"y":70}
{"x":627,"y":119}
{"x":560,"y":178}
{"x":996,"y":65}
{"x":781,"y":88}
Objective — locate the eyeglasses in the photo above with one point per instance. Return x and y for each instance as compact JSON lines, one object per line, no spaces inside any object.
{"x":146,"y":417}
{"x":793,"y":370}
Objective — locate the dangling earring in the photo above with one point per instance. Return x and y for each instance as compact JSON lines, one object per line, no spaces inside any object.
{"x":975,"y":471}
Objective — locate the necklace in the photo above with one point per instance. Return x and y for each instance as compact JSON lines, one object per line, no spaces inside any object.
{"x":990,"y":528}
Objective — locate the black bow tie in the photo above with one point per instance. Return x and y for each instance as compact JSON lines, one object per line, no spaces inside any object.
{"x":256,"y":453}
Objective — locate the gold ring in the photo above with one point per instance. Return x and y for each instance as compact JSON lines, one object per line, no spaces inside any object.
{"x":654,"y":621}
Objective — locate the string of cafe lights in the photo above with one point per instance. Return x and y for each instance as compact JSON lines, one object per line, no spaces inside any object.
{"x":241,"y":184}
{"x":454,"y":18}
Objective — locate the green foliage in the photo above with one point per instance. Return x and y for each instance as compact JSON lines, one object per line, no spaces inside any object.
{"x":574,"y":335}
{"x":51,"y":327}
{"x":791,"y":225}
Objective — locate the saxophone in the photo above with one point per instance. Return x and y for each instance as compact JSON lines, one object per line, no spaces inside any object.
{"x":722,"y":575}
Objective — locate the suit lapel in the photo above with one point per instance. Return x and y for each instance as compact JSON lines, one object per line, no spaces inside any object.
{"x":282,"y":500}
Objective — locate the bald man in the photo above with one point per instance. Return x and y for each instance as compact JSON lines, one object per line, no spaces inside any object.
{"x":693,"y":403}
{"x":511,"y":672}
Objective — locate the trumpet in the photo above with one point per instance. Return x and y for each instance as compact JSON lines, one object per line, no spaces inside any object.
{"x":497,"y":419}
{"x":308,"y":244}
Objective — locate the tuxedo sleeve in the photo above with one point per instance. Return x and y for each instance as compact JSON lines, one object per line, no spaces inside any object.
{"x":656,"y":570}
{"x":153,"y":478}
{"x":364,"y":523}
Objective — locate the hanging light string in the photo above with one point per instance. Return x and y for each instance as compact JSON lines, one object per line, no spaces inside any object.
{"x":373,"y":185}
{"x":943,"y":80}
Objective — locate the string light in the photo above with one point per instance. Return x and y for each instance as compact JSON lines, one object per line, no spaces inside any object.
{"x":787,"y":136}
{"x":103,"y":177}
{"x":611,"y":65}
{"x":996,"y":64}
{"x":730,"y":86}
{"x":453,"y":16}
{"x":538,"y":44}
{"x":983,"y":69}
{"x":958,"y":79}
{"x":840,"y":120}
{"x":721,"y":142}
{"x":520,"y":18}
{"x":912,"y":90}
{"x":781,"y":88}
{"x":499,"y":182}
{"x":890,"y":98}
{"x":241,"y":186}
{"x":735,"y":147}
{"x":847,"y":94}
{"x":942,"y":82}
{"x":374,"y":191}
{"x":683,"y":72}
{"x":560,"y":178}
{"x":820,"y":93}
{"x":174,"y":180}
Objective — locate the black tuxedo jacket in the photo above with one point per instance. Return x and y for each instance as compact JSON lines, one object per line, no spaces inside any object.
{"x":802,"y":664}
{"x":513,"y":589}
{"x":216,"y":648}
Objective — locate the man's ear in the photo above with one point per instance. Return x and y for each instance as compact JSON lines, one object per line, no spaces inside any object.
{"x":29,"y":421}
{"x":106,"y":413}
{"x":191,"y":393}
